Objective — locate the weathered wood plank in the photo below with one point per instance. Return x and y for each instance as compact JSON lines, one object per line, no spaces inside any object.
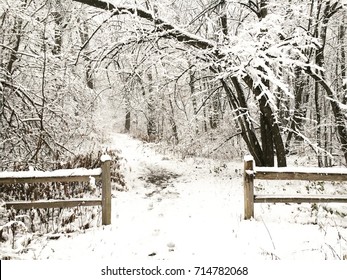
{"x":52,"y":203}
{"x":106,"y":191}
{"x":309,"y":170}
{"x":248,"y":184}
{"x":300,"y":199}
{"x":45,"y":180}
{"x":64,"y":175}
{"x":307,"y":174}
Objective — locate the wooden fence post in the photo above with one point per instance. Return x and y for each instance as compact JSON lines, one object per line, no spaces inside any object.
{"x":248,"y":184}
{"x":106,"y":189}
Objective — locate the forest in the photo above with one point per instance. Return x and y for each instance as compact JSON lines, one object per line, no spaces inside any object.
{"x":201,"y":79}
{"x":208,"y":78}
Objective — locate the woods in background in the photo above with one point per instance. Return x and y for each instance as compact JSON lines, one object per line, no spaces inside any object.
{"x":208,"y":78}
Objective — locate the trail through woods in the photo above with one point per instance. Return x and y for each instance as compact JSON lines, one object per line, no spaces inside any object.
{"x":192,"y":209}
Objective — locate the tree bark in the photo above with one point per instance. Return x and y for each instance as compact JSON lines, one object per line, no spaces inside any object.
{"x":342,"y":34}
{"x":270,"y":129}
{"x":300,"y":101}
{"x":84,"y":35}
{"x":127,"y":124}
{"x":193,"y":97}
{"x":173,"y":122}
{"x":240,"y":107}
{"x":58,"y":19}
{"x":338,"y":114}
{"x":271,"y":126}
{"x":17,"y":29}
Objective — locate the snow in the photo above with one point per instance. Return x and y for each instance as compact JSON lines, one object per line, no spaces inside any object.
{"x":55,"y":173}
{"x":308,"y":170}
{"x":197,"y":215}
{"x":92,"y":182}
{"x":248,"y":158}
{"x":105,"y":158}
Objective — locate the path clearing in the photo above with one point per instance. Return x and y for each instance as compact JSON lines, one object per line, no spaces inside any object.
{"x":181,"y":210}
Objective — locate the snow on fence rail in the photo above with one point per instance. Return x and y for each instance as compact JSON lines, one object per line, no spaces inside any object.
{"x":287,"y":173}
{"x":64,"y":175}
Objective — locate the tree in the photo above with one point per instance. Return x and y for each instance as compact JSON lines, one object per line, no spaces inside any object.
{"x":257,"y":59}
{"x":39,"y":117}
{"x":271,"y":132}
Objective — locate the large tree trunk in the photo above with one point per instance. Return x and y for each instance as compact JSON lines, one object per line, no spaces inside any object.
{"x":266,"y":138}
{"x":271,"y":137}
{"x":239,"y":105}
{"x":270,"y":126}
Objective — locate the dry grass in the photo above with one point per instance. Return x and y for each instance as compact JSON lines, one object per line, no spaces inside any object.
{"x":14,"y":224}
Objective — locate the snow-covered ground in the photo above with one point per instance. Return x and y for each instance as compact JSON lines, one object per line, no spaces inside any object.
{"x":192,"y":209}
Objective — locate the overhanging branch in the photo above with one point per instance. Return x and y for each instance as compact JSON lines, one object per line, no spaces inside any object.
{"x":174,"y":31}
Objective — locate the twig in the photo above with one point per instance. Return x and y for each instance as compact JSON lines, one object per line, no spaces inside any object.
{"x":90,"y":37}
{"x":273,"y":244}
{"x":226,"y":140}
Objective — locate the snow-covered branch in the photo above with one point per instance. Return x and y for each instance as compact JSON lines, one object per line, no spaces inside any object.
{"x":162,"y":25}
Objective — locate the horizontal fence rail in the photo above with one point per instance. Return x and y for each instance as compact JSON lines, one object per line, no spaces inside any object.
{"x":64,"y":175}
{"x":287,"y":173}
{"x":300,"y":173}
{"x":53,"y":203}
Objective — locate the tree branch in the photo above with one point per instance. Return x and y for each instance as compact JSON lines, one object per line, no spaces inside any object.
{"x":174,"y":31}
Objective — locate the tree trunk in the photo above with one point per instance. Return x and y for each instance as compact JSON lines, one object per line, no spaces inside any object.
{"x":127,"y":125}
{"x":17,"y":29}
{"x":300,"y":101}
{"x":173,"y":122}
{"x":318,"y":125}
{"x":342,"y":34}
{"x":271,"y":127}
{"x":84,"y":35}
{"x":151,"y":110}
{"x":239,"y":105}
{"x":193,"y":97}
{"x":270,"y":130}
{"x":263,"y":8}
{"x":223,"y":18}
{"x":58,"y":19}
{"x":338,"y":114}
{"x":267,"y":139}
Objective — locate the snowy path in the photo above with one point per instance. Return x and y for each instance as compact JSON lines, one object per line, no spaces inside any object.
{"x":191,"y":209}
{"x":184,"y":217}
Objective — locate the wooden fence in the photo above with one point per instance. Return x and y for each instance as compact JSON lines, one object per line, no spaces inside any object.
{"x":65,"y":175}
{"x":287,"y":173}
